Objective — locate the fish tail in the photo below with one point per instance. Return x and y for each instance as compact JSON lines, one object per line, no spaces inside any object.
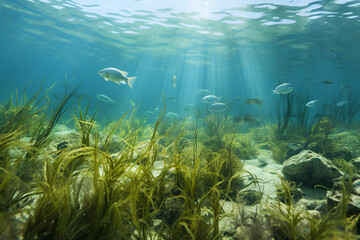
{"x":131,"y":81}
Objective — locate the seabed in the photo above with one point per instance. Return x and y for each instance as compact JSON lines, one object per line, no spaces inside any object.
{"x":210,"y":177}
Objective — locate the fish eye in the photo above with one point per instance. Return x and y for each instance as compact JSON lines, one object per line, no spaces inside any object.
{"x":100,"y":72}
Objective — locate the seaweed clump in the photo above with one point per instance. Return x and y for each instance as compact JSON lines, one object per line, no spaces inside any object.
{"x":289,"y":221}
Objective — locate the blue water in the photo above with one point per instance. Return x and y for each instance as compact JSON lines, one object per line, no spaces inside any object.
{"x":234,"y":50}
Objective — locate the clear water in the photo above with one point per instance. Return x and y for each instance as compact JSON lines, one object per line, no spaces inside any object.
{"x":232,"y":49}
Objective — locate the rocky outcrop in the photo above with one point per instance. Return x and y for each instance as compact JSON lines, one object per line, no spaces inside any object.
{"x":353,"y":206}
{"x":310,"y":169}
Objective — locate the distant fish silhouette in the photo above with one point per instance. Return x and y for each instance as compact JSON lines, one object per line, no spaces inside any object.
{"x":328,"y":82}
{"x":104,"y":98}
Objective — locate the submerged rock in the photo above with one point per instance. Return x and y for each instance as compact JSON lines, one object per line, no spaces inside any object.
{"x":310,"y":169}
{"x":293,"y":149}
{"x":353,"y":206}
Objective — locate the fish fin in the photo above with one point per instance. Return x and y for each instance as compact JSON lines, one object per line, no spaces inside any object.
{"x":123,"y":73}
{"x":275,"y":92}
{"x":106,"y":79}
{"x":131,"y":81}
{"x":119,"y":83}
{"x":123,"y":82}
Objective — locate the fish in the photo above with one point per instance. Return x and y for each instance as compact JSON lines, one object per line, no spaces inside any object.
{"x":284,"y":89}
{"x":117,"y":76}
{"x":254,"y":101}
{"x":149,"y":114}
{"x":217,"y":107}
{"x":237,"y":99}
{"x":172,"y":115}
{"x":104,"y":98}
{"x":328,"y":82}
{"x":172,"y":99}
{"x":174,"y":81}
{"x":341,"y":103}
{"x":210,"y":99}
{"x":248,"y":118}
{"x":312,"y":104}
{"x":203,"y":92}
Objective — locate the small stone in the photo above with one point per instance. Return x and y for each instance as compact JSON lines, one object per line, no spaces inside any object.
{"x":316,"y":214}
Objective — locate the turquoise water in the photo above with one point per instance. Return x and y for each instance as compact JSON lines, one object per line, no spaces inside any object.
{"x":235,"y":50}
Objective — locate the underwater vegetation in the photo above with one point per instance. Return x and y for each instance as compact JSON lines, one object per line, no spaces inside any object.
{"x":96,"y":190}
{"x":129,"y":179}
{"x":291,"y":222}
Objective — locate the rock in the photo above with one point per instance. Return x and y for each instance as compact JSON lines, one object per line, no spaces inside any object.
{"x":353,"y":208}
{"x":339,"y":152}
{"x":308,"y":204}
{"x":316,"y":214}
{"x":227,"y":226}
{"x":62,"y":140}
{"x":322,"y":206}
{"x":317,"y":205}
{"x":310,"y":169}
{"x":293,"y":149}
{"x":334,"y":198}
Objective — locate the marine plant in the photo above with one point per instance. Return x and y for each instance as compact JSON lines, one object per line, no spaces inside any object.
{"x":252,"y":225}
{"x":335,"y":224}
{"x":85,"y":125}
{"x":285,"y":188}
{"x":284,"y":217}
{"x":279,"y":150}
{"x":42,"y":135}
{"x":288,"y":221}
{"x":353,"y":107}
{"x":17,"y":117}
{"x":283,"y":113}
{"x":83,"y":191}
{"x":323,"y":140}
{"x":14,"y":194}
{"x":263,"y":135}
{"x":301,"y":112}
{"x":244,"y":146}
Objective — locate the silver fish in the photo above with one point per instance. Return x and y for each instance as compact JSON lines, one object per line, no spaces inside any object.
{"x":210,"y":99}
{"x":284,"y":89}
{"x":104,"y":98}
{"x":174,"y":81}
{"x":217,"y":107}
{"x":341,"y":103}
{"x":117,"y":76}
{"x":313,"y":104}
{"x":203,"y":92}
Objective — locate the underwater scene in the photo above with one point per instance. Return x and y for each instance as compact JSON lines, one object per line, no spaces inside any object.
{"x":203,"y":119}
